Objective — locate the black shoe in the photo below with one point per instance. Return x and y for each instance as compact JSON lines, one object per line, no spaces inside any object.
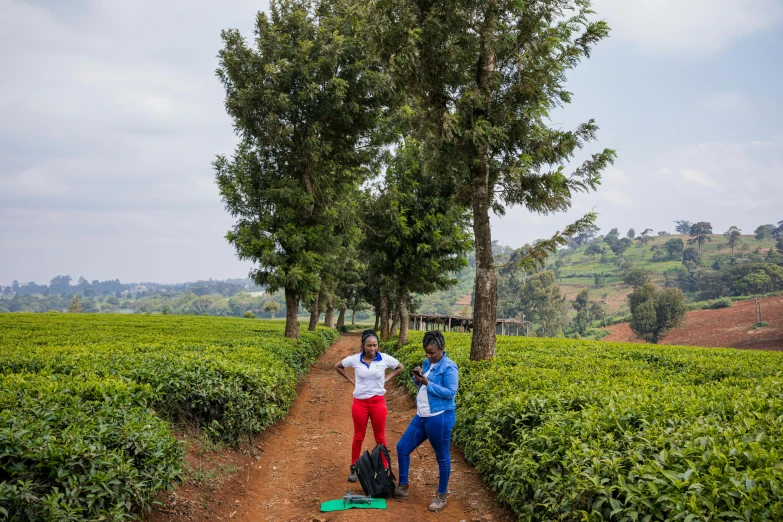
{"x":352,"y":477}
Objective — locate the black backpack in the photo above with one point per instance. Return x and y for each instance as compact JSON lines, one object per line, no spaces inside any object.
{"x":375,"y":473}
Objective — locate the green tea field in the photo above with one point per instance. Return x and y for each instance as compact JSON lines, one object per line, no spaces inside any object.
{"x":88,"y":403}
{"x":588,"y":431}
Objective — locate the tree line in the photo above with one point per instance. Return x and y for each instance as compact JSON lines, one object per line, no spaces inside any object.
{"x":375,"y":138}
{"x":62,"y":285}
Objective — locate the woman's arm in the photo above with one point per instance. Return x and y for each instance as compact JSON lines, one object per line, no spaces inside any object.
{"x":341,"y":370}
{"x":395,"y":372}
{"x":450,"y":384}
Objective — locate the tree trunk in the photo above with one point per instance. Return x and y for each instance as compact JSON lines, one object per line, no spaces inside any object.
{"x":341,"y":317}
{"x":329,"y":317}
{"x":486,"y":294}
{"x":353,"y":317}
{"x":314,"y":313}
{"x":377,"y":321}
{"x":291,"y":319}
{"x":395,"y":322}
{"x":384,"y":313}
{"x":402,"y":308}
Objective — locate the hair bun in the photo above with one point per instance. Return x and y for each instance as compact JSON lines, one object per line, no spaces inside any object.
{"x":368,"y":333}
{"x":434,"y":337}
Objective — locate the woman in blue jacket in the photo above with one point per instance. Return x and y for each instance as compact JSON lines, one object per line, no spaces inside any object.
{"x":435,"y":416}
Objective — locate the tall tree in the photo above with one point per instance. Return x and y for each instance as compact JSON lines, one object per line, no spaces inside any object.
{"x":586,"y":235}
{"x":583,"y":317}
{"x":674,"y":247}
{"x":654,"y":312}
{"x":700,"y":233}
{"x":764,"y":231}
{"x":416,"y":231}
{"x":683,"y":227}
{"x":631,"y":233}
{"x":620,"y":246}
{"x":612,"y":236}
{"x":272,"y":307}
{"x":644,"y":237}
{"x":60,"y":284}
{"x":306,"y":104}
{"x":594,"y":249}
{"x":543,"y":303}
{"x":692,"y":255}
{"x":484,"y":78}
{"x":778,"y":231}
{"x":636,"y":277}
{"x":733,"y":237}
{"x":349,"y":281}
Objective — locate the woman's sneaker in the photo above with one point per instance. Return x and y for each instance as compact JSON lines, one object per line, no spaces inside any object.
{"x":438,"y":503}
{"x":402,"y":492}
{"x":352,"y":476}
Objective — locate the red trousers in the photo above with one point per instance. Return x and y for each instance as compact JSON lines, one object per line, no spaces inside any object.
{"x":373,"y":408}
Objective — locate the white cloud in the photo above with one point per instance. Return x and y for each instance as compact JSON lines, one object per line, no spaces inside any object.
{"x":616,"y":197}
{"x":687,"y":27}
{"x":725,"y":102}
{"x":613,"y":175}
{"x":112,"y":115}
{"x":725,"y":183}
{"x":695,"y":176}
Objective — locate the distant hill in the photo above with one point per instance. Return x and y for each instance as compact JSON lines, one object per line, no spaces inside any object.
{"x":577,"y":270}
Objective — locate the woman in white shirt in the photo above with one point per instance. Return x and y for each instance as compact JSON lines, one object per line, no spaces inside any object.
{"x":369,"y":401}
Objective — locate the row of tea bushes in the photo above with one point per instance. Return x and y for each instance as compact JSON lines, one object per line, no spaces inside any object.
{"x":80,"y":447}
{"x":87,"y":402}
{"x":589,"y":431}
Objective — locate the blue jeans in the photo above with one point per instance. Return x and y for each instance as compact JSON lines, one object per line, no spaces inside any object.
{"x":438,"y":430}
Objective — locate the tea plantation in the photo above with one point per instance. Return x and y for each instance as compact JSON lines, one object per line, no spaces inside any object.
{"x":588,"y":431}
{"x":87,"y":403}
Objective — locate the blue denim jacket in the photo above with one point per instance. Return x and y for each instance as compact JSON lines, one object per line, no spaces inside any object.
{"x":442,"y":387}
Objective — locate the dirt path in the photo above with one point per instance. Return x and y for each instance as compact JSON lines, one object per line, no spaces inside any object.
{"x":304,"y":460}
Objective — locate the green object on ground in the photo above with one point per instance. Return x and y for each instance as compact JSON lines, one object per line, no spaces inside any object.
{"x":340,"y":505}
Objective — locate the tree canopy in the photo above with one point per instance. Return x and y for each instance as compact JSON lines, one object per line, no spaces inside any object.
{"x":417,"y":235}
{"x":700,"y":233}
{"x":654,"y":311}
{"x":306,"y":104}
{"x":483,"y":78}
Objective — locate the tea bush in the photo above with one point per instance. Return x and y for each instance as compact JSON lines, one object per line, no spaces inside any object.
{"x":82,"y":398}
{"x":589,"y":431}
{"x":80,"y":448}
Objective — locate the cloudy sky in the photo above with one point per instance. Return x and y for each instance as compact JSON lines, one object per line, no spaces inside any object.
{"x":111,"y":115}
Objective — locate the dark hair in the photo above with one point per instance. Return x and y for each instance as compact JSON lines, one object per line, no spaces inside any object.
{"x":368,"y":333}
{"x":434,"y":337}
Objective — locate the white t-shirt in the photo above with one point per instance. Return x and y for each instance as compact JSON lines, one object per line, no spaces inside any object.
{"x":423,"y":400}
{"x":370,"y":379}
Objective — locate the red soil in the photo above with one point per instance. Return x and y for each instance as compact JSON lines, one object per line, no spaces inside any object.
{"x":729,"y":327}
{"x":303,"y":460}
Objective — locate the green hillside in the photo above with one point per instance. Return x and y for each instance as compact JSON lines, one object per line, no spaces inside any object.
{"x":577,"y":270}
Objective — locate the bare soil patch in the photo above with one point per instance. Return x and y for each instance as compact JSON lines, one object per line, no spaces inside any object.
{"x":303,"y":460}
{"x":728,"y":327}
